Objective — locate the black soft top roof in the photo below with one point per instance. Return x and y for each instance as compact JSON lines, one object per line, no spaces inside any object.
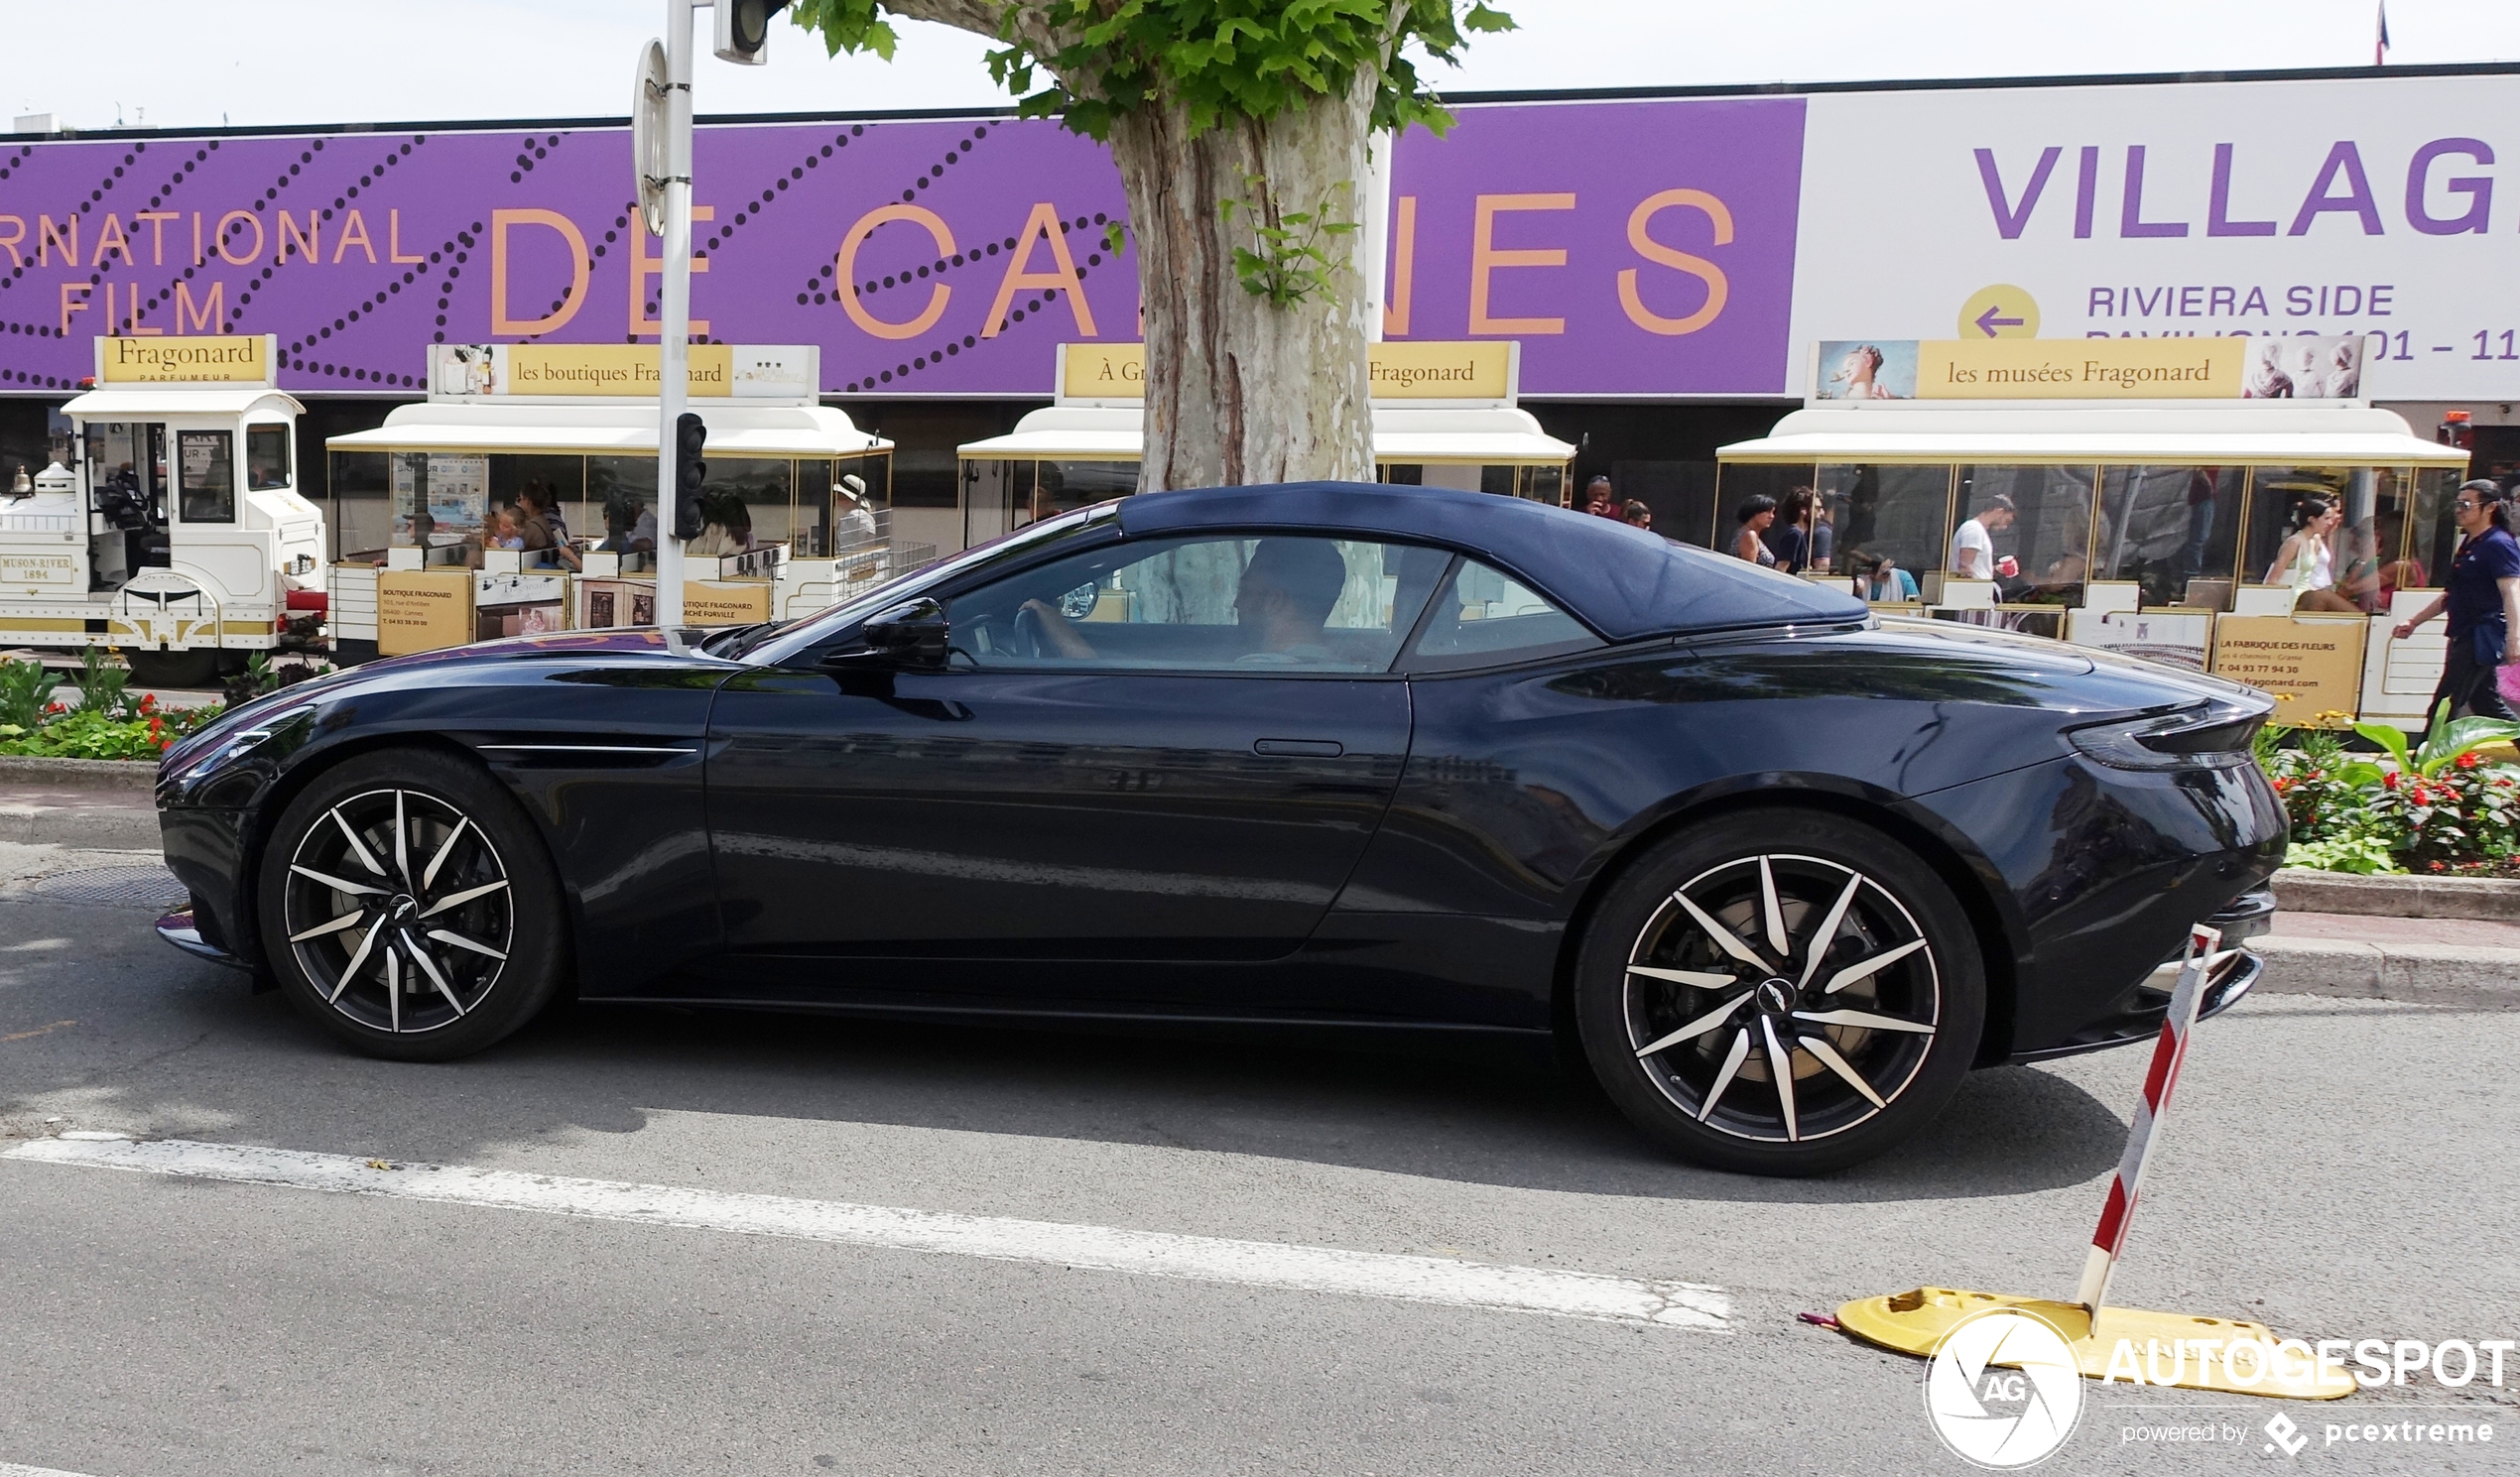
{"x":1624,"y":582}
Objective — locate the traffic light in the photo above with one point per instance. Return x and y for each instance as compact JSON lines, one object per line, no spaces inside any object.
{"x":691,"y":438}
{"x":743,"y":30}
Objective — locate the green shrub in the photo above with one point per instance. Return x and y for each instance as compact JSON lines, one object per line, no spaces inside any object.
{"x":2434,"y":806}
{"x":25,"y":687}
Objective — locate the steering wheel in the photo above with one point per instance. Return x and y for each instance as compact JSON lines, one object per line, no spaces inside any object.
{"x":1027,"y":636}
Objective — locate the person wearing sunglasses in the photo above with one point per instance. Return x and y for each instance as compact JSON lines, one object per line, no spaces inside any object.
{"x":2482,"y":598}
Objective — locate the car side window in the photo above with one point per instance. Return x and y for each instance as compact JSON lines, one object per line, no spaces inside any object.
{"x":1488,"y":618}
{"x":1279,"y":603}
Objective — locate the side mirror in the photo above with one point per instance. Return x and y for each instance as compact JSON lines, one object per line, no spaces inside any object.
{"x":910,"y":634}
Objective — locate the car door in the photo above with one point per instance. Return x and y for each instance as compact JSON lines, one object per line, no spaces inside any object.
{"x":1130,"y":756}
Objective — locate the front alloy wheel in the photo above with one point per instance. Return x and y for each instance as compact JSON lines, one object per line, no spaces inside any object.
{"x":399,"y":910}
{"x":1781,"y":992}
{"x":409,"y":907}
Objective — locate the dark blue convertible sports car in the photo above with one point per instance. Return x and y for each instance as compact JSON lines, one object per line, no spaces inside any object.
{"x":1337,"y":755}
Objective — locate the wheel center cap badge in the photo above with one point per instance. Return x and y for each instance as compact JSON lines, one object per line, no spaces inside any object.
{"x":404,"y":907}
{"x":1776,"y":997}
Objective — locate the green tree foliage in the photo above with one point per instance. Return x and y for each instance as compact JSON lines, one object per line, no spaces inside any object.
{"x":1219,"y":61}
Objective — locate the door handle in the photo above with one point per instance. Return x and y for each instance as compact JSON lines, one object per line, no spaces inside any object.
{"x":1299,"y":748}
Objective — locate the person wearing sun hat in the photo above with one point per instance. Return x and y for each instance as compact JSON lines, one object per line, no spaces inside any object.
{"x":853,"y":521}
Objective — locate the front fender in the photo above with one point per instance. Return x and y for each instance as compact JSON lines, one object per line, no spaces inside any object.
{"x":606,"y":758}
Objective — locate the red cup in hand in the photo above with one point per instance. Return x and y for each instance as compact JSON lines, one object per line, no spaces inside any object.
{"x":2008,"y":567}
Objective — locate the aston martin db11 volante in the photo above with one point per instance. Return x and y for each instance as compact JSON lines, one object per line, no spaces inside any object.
{"x":1322,"y":755}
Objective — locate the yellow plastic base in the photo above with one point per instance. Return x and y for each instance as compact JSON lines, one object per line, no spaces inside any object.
{"x":2132,"y":1346}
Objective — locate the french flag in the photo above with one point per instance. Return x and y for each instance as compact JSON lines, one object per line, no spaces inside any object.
{"x":2380,"y":41}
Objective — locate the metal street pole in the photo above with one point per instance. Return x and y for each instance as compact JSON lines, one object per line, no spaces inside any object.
{"x":674,"y":343}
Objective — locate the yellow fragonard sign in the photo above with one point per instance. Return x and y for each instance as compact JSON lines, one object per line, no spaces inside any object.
{"x":2080,"y":369}
{"x":423,"y":610}
{"x":2313,"y":666}
{"x":1481,"y":370}
{"x":1102,"y":371}
{"x":725,"y":602}
{"x":629,"y":370}
{"x":222,"y":359}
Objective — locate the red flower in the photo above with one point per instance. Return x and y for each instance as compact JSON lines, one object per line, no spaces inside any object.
{"x":2436,"y":866}
{"x":2468,"y":761}
{"x":2390,"y":779}
{"x":148,"y":702}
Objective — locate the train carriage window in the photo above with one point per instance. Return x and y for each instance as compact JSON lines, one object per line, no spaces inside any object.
{"x":205,"y":476}
{"x":360,"y":490}
{"x":621,"y":493}
{"x":744,"y":505}
{"x":2432,"y":531}
{"x":2364,"y":556}
{"x":2049,"y":538}
{"x":266,"y":458}
{"x":1900,"y":510}
{"x":2371,"y":558}
{"x":2163,"y":525}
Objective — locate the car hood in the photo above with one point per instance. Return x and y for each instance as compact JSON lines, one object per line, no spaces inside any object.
{"x":599,"y":649}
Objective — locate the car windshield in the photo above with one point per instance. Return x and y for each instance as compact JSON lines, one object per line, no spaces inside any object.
{"x":773,"y":642}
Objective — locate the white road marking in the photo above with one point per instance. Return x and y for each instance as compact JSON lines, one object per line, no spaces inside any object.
{"x":1259,"y":1264}
{"x":11,"y":1469}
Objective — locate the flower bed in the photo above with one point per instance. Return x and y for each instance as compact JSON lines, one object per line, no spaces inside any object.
{"x":104,"y":722}
{"x":2437,"y":808}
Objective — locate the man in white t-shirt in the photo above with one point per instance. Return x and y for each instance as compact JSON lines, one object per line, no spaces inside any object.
{"x":1974,"y":546}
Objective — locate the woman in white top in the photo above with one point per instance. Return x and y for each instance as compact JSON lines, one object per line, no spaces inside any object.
{"x":2306,"y":564}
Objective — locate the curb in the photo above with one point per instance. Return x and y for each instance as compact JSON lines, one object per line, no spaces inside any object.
{"x":105,"y":828}
{"x":2429,"y":973}
{"x":2492,"y":899}
{"x":79,"y":774}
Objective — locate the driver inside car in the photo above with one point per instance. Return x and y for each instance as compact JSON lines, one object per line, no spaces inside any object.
{"x":1281,"y":603}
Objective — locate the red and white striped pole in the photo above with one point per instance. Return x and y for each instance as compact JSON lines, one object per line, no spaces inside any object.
{"x":2168,"y":1052}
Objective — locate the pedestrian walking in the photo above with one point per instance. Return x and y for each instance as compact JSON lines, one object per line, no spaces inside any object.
{"x":2482,"y":599}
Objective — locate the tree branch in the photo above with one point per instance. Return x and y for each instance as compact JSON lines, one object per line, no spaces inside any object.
{"x":980,"y":16}
{"x":983,"y":18}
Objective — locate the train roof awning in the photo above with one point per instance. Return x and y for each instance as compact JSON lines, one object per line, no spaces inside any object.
{"x":1478,"y":435}
{"x":610,"y":430}
{"x":2153,"y":435}
{"x":156,"y":401}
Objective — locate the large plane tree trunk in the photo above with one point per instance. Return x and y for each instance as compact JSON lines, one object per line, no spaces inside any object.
{"x":1239,"y":389}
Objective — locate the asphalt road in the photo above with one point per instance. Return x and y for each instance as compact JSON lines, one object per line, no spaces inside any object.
{"x":2333,"y":1168}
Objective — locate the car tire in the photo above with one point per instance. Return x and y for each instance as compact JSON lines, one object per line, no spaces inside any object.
{"x":426,"y":952}
{"x":1681,"y":1024}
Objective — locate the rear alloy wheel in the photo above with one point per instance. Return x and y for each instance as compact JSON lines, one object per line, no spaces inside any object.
{"x":409,"y":909}
{"x":1785,"y":994}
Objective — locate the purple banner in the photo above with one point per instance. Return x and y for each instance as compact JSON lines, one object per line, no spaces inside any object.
{"x":1633,"y":248}
{"x":976,"y":247}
